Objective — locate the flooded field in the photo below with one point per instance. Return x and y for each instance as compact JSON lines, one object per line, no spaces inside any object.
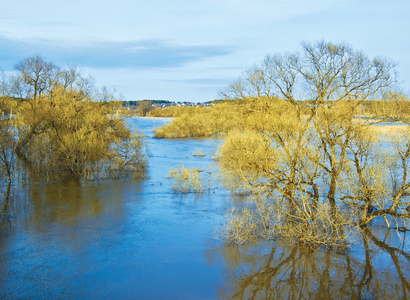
{"x":137,"y":239}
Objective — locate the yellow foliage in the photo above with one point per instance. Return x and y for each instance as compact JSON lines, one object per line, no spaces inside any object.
{"x":246,"y":153}
{"x":186,"y":180}
{"x":240,"y":227}
{"x":260,"y":114}
{"x":203,"y":122}
{"x":64,"y":133}
{"x":198,"y":153}
{"x":174,"y":111}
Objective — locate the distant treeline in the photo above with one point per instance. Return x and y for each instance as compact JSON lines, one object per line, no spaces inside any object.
{"x":135,"y":103}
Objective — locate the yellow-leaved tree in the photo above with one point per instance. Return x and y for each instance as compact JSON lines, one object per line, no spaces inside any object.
{"x":305,"y":156}
{"x":63,"y":127}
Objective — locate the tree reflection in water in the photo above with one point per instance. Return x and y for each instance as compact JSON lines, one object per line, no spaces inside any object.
{"x":5,"y":207}
{"x":375,"y":270}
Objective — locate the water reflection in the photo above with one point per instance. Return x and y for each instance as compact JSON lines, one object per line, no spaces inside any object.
{"x":6,"y":208}
{"x":113,"y":239}
{"x":70,"y":202}
{"x":275,"y":270}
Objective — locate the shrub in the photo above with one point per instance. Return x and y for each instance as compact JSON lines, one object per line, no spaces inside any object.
{"x":198,"y":153}
{"x":186,"y":180}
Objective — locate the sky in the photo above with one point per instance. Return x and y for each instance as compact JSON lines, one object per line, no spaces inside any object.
{"x":185,"y":50}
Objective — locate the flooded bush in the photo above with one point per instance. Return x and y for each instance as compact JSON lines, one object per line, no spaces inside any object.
{"x":198,"y":153}
{"x":203,"y":122}
{"x":305,"y":162}
{"x":273,"y":220}
{"x":187,"y":180}
{"x":241,"y":227}
{"x":64,"y":128}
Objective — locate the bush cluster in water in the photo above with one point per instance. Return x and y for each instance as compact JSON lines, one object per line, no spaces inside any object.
{"x":187,"y":180}
{"x":308,"y":159}
{"x":63,"y":128}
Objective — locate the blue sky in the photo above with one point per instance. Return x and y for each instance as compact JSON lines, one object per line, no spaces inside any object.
{"x":185,"y":50}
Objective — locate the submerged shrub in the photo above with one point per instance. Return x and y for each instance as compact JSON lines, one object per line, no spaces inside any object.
{"x":65,"y":128}
{"x":273,"y":219}
{"x":240,"y":227}
{"x":186,"y":180}
{"x":198,"y":153}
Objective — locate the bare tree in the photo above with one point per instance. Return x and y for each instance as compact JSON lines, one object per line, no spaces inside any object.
{"x":37,"y":74}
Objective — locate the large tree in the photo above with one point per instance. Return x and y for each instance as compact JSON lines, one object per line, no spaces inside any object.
{"x":305,"y":147}
{"x":64,"y":126}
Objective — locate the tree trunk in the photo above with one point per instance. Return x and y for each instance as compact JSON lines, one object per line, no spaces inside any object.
{"x":331,"y":196}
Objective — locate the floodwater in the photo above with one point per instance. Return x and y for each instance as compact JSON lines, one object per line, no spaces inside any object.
{"x":137,"y":239}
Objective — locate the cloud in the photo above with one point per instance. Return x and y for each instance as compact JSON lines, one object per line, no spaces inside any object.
{"x":108,"y":54}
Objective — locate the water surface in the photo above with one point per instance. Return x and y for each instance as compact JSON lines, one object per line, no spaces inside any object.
{"x":136,"y":239}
